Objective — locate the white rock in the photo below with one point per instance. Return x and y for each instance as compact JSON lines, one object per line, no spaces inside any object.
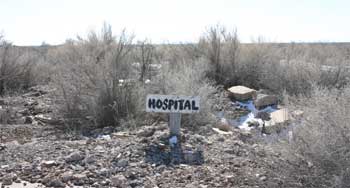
{"x":221,"y":132}
{"x":263,"y":178}
{"x":5,"y":166}
{"x":48,"y":164}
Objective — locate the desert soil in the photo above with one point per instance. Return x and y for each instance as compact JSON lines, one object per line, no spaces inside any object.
{"x":41,"y":153}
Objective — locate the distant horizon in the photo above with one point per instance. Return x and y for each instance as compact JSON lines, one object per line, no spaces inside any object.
{"x":292,"y":42}
{"x":30,"y":23}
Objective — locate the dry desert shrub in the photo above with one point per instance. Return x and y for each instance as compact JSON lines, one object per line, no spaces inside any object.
{"x":220,"y":49}
{"x":318,"y":155}
{"x":92,"y":79}
{"x":293,"y":68}
{"x":99,"y":86}
{"x":17,"y":68}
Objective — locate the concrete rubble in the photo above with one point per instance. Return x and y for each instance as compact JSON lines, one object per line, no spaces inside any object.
{"x":263,"y":100}
{"x":242,"y":93}
{"x":279,"y":120}
{"x":263,"y":111}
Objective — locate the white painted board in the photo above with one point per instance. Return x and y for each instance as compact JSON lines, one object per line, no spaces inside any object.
{"x":172,"y":104}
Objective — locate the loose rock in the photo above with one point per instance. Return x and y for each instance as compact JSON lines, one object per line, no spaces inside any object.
{"x":74,"y":157}
{"x":122,"y":163}
{"x":56,"y":183}
{"x":8,"y":179}
{"x":48,"y":164}
{"x":119,"y":181}
{"x":67,"y":176}
{"x":146,"y":132}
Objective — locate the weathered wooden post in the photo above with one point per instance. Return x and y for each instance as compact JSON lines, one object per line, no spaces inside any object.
{"x":175,"y":124}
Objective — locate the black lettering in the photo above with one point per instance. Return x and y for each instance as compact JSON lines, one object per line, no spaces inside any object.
{"x":194,"y":107}
{"x":175,"y":105}
{"x":165,"y":104}
{"x":187,"y":105}
{"x":151,"y":103}
{"x":171,"y":103}
{"x":159,"y":104}
{"x":181,"y":104}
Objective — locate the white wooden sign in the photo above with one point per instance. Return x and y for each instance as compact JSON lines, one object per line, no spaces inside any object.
{"x":172,"y":104}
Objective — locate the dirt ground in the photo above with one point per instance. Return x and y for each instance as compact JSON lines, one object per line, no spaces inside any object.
{"x":42,"y":154}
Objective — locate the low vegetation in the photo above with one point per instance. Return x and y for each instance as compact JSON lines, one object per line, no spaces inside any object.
{"x":17,"y":68}
{"x":103,"y":79}
{"x":318,"y":154}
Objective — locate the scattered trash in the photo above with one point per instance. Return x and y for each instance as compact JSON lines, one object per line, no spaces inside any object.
{"x":173,"y":141}
{"x":120,"y":134}
{"x":245,"y":122}
{"x":104,"y":137}
{"x":221,"y":132}
{"x":147,"y":81}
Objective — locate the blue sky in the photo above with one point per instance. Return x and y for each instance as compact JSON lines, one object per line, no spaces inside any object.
{"x":30,"y":22}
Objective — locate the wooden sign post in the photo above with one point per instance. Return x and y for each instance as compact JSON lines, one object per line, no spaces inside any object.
{"x":175,"y":106}
{"x":174,"y":124}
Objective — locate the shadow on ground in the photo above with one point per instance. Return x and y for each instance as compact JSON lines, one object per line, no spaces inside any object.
{"x":159,"y":154}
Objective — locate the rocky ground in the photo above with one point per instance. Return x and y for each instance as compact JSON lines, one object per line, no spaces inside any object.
{"x":33,"y":150}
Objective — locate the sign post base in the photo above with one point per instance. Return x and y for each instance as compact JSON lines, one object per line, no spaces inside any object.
{"x":175,"y":137}
{"x":175,"y":124}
